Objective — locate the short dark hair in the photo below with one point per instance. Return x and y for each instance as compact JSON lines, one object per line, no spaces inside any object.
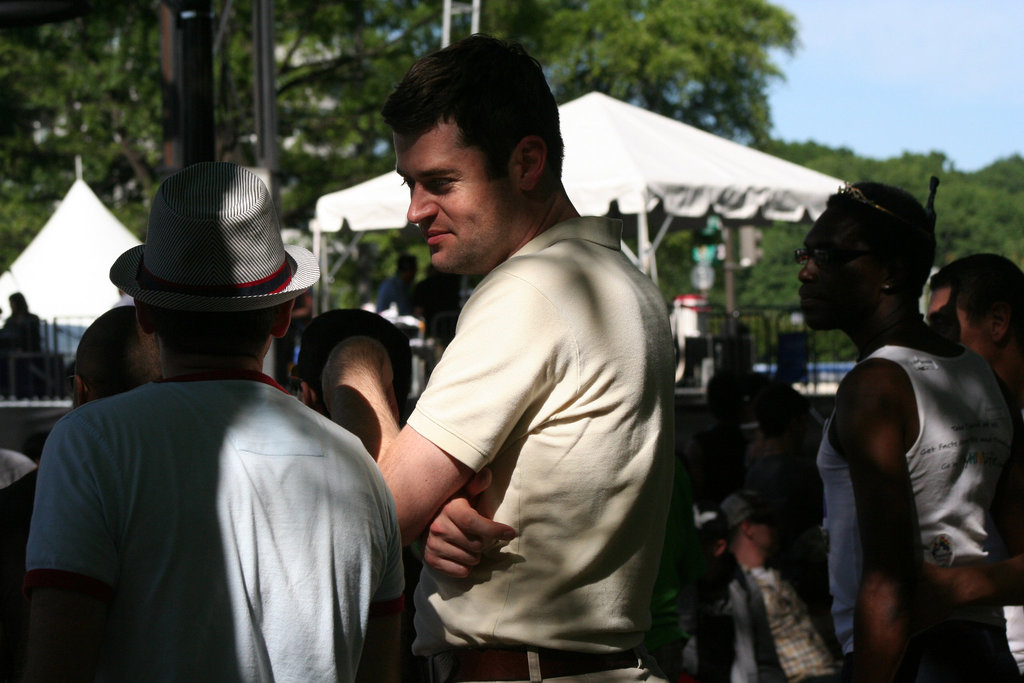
{"x":492,"y":90}
{"x":897,"y":227}
{"x":115,"y":355}
{"x":777,"y":406}
{"x":978,"y":281}
{"x":230,"y":333}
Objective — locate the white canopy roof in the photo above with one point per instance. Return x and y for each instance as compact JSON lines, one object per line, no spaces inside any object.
{"x":64,"y":271}
{"x":618,"y":152}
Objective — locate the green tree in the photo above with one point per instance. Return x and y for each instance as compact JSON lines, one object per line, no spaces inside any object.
{"x":92,"y":87}
{"x":707,"y":63}
{"x":976,"y":212}
{"x":89,"y":88}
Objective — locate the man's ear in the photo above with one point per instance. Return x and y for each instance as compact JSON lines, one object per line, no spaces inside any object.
{"x":81,"y":392}
{"x":529,"y":159}
{"x":997,"y":321}
{"x":309,"y":397}
{"x":283,"y":319}
{"x":744,"y":527}
{"x":719,"y":547}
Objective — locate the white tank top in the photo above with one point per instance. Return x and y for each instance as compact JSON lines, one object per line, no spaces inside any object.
{"x":963,"y":443}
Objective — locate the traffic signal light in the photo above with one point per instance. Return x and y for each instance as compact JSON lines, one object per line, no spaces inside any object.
{"x":750,"y":246}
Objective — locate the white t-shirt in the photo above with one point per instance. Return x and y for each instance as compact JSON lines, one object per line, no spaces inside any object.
{"x":560,"y":379}
{"x":237,"y":534}
{"x":13,"y":466}
{"x":962,"y":446}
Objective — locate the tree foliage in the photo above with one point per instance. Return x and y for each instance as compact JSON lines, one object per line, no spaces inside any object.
{"x":706,"y":63}
{"x":88,"y":88}
{"x":976,"y":212}
{"x":91,"y":87}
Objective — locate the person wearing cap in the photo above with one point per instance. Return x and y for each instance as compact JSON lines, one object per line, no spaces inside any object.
{"x":329,"y":329}
{"x":209,"y":526}
{"x":753,"y":541}
{"x":559,"y":381}
{"x":732,"y":640}
{"x":921,"y":444}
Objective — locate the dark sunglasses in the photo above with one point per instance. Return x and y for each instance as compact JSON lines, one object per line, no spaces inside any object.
{"x":827,"y":257}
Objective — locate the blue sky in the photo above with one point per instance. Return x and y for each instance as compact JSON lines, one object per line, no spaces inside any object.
{"x":884,"y":77}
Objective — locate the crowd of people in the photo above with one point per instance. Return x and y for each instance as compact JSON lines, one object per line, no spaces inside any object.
{"x":535,"y":514}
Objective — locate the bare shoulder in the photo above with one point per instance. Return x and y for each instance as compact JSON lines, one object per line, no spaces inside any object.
{"x":874,"y":382}
{"x":875,"y":400}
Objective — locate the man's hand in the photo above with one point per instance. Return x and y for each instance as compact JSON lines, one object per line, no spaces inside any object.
{"x":933,"y":599}
{"x":459,"y":535}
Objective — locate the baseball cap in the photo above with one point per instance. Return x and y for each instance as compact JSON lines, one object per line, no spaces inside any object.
{"x":745,"y":504}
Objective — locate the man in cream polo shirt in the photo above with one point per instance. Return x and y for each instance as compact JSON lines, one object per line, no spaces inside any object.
{"x":559,"y":381}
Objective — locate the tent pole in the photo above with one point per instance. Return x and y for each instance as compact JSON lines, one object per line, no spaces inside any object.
{"x":643,"y":239}
{"x":730,"y":280}
{"x":318,"y":254}
{"x":662,"y":231}
{"x":629,"y":253}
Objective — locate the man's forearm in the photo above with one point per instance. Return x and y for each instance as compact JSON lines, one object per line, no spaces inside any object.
{"x":882,"y":626}
{"x":422,"y":478}
{"x":1001,"y":583}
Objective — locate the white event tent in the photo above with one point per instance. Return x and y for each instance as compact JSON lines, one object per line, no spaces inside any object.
{"x":64,"y":271}
{"x":650,"y":165}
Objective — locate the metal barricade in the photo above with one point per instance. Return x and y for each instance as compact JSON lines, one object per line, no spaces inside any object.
{"x":772,"y":340}
{"x":32,"y":375}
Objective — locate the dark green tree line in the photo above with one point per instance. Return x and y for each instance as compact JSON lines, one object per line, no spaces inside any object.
{"x":91,"y":87}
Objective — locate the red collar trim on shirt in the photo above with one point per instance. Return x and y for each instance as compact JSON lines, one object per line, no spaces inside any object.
{"x":208,"y":375}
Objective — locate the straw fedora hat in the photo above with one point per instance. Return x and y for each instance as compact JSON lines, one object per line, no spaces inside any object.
{"x":214,"y":244}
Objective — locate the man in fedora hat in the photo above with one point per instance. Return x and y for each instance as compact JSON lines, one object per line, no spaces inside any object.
{"x":209,"y":526}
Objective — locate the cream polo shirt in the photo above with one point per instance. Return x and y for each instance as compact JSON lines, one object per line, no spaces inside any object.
{"x":560,"y":378}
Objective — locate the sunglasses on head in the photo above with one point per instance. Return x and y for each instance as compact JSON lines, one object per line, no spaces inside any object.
{"x":855,"y":193}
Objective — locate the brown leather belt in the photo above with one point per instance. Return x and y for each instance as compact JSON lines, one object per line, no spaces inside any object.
{"x":513,"y":665}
